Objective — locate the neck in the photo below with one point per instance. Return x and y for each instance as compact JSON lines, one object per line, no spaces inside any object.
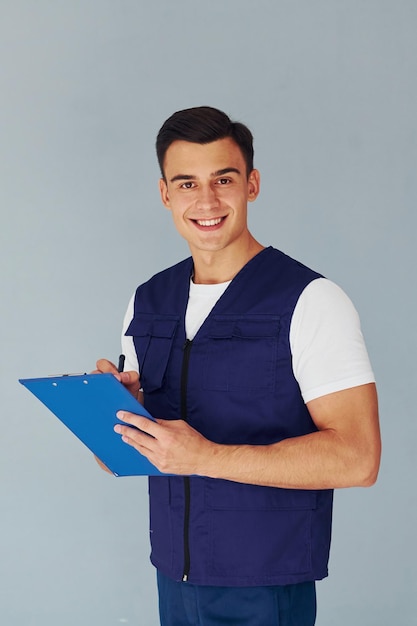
{"x":211,"y":267}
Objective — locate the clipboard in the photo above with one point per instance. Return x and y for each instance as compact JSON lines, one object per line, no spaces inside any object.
{"x":87,"y":405}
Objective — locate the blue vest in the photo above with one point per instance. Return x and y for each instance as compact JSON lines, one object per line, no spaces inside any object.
{"x":233,"y":383}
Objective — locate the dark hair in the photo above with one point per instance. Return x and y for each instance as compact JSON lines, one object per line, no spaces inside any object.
{"x":203,"y":125}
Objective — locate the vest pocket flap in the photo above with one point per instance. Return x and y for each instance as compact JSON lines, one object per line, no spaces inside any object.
{"x":145,"y":325}
{"x":248,"y":327}
{"x":153,"y":336}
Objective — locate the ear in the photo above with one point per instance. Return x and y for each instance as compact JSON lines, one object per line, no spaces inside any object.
{"x":254,"y":185}
{"x":163,"y":190}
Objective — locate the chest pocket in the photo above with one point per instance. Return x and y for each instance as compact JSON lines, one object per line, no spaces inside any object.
{"x":153,"y":337}
{"x":242,"y":353}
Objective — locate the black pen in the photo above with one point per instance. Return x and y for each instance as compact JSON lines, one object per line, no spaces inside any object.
{"x":121,"y":365}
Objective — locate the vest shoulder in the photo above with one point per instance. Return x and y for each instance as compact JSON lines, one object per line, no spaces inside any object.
{"x":277,"y":268}
{"x":165,"y":291}
{"x":282,"y":259}
{"x":182,"y":268}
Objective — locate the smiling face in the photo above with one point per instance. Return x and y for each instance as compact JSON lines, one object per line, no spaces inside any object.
{"x":207,"y":188}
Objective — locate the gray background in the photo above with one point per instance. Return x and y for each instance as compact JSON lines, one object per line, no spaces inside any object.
{"x":329,"y":90}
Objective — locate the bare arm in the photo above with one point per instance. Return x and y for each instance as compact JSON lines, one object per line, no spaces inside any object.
{"x":344,"y":452}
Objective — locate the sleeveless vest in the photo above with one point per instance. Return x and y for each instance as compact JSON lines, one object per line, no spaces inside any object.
{"x":234,"y":384}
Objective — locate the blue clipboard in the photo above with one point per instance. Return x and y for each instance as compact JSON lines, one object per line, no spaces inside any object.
{"x":87,"y":405}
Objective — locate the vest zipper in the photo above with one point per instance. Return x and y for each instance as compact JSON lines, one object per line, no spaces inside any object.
{"x":187,"y":487}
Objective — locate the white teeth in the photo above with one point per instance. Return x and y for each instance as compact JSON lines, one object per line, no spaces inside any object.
{"x":209,"y":222}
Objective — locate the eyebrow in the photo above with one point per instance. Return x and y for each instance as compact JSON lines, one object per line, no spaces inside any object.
{"x":226,"y":170}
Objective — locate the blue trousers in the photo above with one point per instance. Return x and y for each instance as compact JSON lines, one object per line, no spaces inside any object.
{"x":184,"y":604}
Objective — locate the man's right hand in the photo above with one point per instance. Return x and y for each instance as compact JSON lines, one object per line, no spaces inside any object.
{"x":129,"y":379}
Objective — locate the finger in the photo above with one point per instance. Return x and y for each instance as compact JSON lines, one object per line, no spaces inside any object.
{"x":106,"y":367}
{"x":130,"y":432}
{"x":130,"y":378}
{"x":143,"y":423}
{"x":115,"y":374}
{"x":135,"y":438}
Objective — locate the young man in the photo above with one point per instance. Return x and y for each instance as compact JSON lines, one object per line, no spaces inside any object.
{"x":256,"y":369}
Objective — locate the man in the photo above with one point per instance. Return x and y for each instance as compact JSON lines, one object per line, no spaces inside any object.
{"x":256,"y":369}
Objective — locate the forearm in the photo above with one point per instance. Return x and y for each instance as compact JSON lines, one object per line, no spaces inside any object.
{"x":320,"y":460}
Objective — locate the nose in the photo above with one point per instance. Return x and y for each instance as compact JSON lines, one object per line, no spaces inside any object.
{"x":207,"y":198}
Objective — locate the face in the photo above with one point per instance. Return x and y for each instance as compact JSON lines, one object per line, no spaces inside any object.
{"x":207,"y":189}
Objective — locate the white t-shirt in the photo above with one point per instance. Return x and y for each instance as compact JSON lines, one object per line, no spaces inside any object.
{"x":327,"y":346}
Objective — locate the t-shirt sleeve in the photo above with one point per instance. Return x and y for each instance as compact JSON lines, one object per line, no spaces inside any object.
{"x":128,"y":347}
{"x":327,"y":345}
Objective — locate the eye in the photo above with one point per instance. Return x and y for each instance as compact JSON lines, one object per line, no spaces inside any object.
{"x":224,"y":181}
{"x":187,"y":185}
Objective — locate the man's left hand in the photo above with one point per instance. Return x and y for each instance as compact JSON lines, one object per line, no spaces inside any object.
{"x":172,"y":446}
